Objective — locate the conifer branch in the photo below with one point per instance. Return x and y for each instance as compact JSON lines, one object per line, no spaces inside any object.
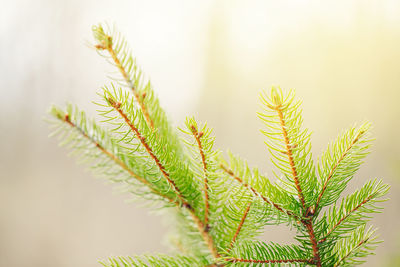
{"x":256,"y":193}
{"x":317,"y":258}
{"x":117,"y":107}
{"x":67,"y":120}
{"x":362,"y":242}
{"x":106,"y":43}
{"x":289,"y":153}
{"x":197,"y":137}
{"x":238,"y":201}
{"x":350,"y":250}
{"x":205,"y":235}
{"x":235,"y":260}
{"x":239,"y":227}
{"x":201,"y":227}
{"x":356,"y":139}
{"x":365,"y":201}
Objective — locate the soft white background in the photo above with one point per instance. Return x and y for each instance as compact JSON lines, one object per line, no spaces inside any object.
{"x":205,"y":58}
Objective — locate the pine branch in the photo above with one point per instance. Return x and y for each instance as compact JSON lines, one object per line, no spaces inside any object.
{"x":261,"y":253}
{"x":358,"y":245}
{"x":234,"y":260}
{"x":75,"y":118}
{"x":233,"y":204}
{"x":206,"y":236}
{"x":246,"y":212}
{"x":201,"y":227}
{"x":117,"y":107}
{"x":124,"y":63}
{"x":309,"y":225}
{"x":151,"y":261}
{"x":289,"y":153}
{"x":256,"y":193}
{"x":289,"y":145}
{"x":142,"y":152}
{"x":339,"y":163}
{"x":353,"y":209}
{"x":197,"y":135}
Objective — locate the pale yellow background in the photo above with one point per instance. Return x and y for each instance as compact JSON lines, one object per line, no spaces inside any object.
{"x":205,"y":58}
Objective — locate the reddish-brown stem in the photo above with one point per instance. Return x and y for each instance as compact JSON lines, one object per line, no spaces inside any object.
{"x":256,"y":193}
{"x":289,"y":153}
{"x":117,"y":107}
{"x":309,"y":261}
{"x":310,"y":230}
{"x":139,"y":99}
{"x":205,"y":235}
{"x":335,"y":167}
{"x":197,"y":136}
{"x":239,"y":227}
{"x":344,"y":218}
{"x":113,"y":157}
{"x":348,"y":254}
{"x":308,"y":212}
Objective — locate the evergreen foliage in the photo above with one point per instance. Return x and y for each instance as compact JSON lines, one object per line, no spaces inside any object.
{"x":222,"y":205}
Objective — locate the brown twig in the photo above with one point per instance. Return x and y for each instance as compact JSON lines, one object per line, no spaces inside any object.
{"x":256,"y":193}
{"x":308,"y":224}
{"x":117,"y":107}
{"x":309,"y":261}
{"x":239,"y":227}
{"x":345,"y":217}
{"x":308,"y":211}
{"x":348,"y":254}
{"x":336,"y":165}
{"x":109,"y":47}
{"x":197,"y":136}
{"x":205,"y":234}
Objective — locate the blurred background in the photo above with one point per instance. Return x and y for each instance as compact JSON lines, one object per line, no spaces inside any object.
{"x":205,"y":58}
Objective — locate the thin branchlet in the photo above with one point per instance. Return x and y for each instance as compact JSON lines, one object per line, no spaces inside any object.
{"x":113,"y":157}
{"x":365,"y":201}
{"x":205,"y":235}
{"x":197,"y":135}
{"x":256,"y":193}
{"x":239,"y":228}
{"x":362,"y":242}
{"x":302,"y":202}
{"x":234,"y":260}
{"x":202,"y":228}
{"x":356,"y":139}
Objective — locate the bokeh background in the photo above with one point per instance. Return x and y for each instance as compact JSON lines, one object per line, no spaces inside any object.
{"x":205,"y":58}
